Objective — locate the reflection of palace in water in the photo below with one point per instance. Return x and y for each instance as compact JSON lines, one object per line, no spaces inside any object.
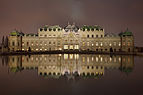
{"x":57,"y":65}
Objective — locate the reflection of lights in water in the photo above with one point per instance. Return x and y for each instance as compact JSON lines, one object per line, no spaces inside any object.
{"x":119,"y":59}
{"x":76,"y":56}
{"x":92,"y":58}
{"x":65,"y":56}
{"x":101,"y":59}
{"x":87,"y":59}
{"x":110,"y":59}
{"x":96,"y":59}
{"x":36,"y":59}
{"x":71,"y":56}
{"x":114,"y":59}
{"x":83,"y":59}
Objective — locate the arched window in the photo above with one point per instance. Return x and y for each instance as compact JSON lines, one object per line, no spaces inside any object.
{"x":41,"y":29}
{"x":45,"y":29}
{"x":96,"y":36}
{"x":87,"y":36}
{"x":54,"y":29}
{"x":92,"y":36}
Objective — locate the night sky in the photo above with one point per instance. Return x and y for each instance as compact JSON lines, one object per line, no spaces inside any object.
{"x":113,"y":15}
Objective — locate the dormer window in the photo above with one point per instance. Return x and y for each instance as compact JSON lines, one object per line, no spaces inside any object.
{"x":88,"y":29}
{"x":83,"y":29}
{"x":54,"y":29}
{"x":92,"y":29}
{"x":50,"y":29}
{"x":41,"y":29}
{"x":45,"y":29}
{"x":58,"y":29}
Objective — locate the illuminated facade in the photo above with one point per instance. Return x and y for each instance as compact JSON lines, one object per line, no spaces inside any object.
{"x":71,"y":38}
{"x":71,"y":65}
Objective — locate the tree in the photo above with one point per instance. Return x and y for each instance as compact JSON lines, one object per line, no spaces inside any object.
{"x":6,"y":42}
{"x":3,"y":40}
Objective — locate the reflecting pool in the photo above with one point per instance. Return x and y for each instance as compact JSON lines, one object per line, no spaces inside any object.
{"x":71,"y":74}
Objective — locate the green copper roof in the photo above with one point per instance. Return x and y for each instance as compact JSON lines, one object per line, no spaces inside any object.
{"x":126,"y":33}
{"x":91,"y":27}
{"x":16,"y":33}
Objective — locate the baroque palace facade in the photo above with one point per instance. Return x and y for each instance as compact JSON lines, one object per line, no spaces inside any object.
{"x":70,"y":65}
{"x":71,"y":38}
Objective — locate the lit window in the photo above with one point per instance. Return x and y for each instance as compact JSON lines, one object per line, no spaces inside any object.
{"x":92,"y":58}
{"x":110,"y":44}
{"x":83,"y":59}
{"x":65,"y":46}
{"x":101,"y":44}
{"x":101,"y":59}
{"x":119,"y":44}
{"x":92,"y":44}
{"x":65,"y":56}
{"x":71,"y":56}
{"x":87,"y":59}
{"x":96,"y":59}
{"x":96,"y":43}
{"x":71,"y":46}
{"x":76,"y":56}
{"x":87,"y":43}
{"x":60,"y":48}
{"x":76,"y":47}
{"x":22,"y":43}
{"x":83,"y":43}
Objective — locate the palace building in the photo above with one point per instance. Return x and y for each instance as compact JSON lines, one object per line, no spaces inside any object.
{"x":71,"y":38}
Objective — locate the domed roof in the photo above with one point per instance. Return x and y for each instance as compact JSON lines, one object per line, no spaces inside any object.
{"x":71,"y":28}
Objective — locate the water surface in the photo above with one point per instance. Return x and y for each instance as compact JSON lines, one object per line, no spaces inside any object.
{"x":71,"y":74}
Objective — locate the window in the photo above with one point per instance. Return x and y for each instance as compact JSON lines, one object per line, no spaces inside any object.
{"x":49,"y":42}
{"x":87,"y":43}
{"x":83,"y":43}
{"x":96,"y":36}
{"x":13,"y":44}
{"x":65,"y":46}
{"x":96,"y":43}
{"x":101,"y":44}
{"x":27,"y":43}
{"x":58,"y":29}
{"x":87,"y":36}
{"x":45,"y":35}
{"x":54,"y":29}
{"x":101,"y":36}
{"x":76,"y":47}
{"x":71,"y":46}
{"x":41,"y":29}
{"x":50,"y":29}
{"x":45,"y":29}
{"x":92,"y":36}
{"x":92,"y":29}
{"x":114,"y":43}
